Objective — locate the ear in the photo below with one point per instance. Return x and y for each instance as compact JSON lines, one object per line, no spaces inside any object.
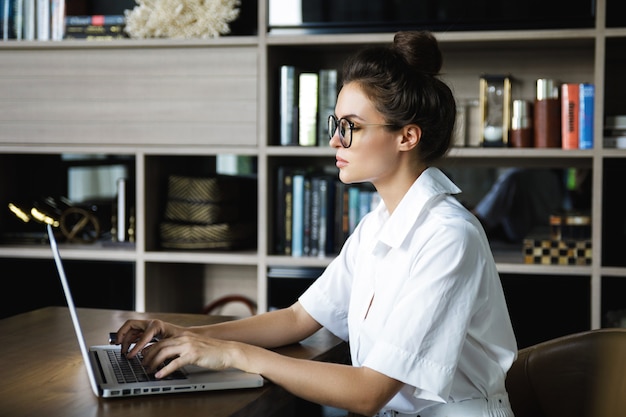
{"x":411,"y":135}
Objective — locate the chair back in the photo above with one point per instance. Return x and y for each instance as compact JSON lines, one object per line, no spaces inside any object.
{"x":582,"y":374}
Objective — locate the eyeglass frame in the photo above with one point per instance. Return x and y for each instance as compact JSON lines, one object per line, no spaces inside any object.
{"x":351,"y":126}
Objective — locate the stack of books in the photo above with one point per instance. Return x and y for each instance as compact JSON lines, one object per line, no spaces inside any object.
{"x":44,"y":20}
{"x":315,"y":212}
{"x":577,"y":110}
{"x":307,"y":98}
{"x":96,"y":27}
{"x":615,"y":132}
{"x":32,"y":20}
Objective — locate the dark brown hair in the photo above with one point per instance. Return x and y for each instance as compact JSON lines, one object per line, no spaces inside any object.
{"x":402,"y":81}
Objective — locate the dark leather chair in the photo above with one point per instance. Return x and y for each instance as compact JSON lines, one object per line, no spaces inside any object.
{"x":579,"y":375}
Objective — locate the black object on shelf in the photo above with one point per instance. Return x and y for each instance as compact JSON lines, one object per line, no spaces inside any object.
{"x":445,"y":15}
{"x":285,"y":284}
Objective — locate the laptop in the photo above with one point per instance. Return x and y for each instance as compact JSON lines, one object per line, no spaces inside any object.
{"x":106,"y":366}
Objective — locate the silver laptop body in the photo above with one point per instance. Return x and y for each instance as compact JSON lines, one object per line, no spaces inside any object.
{"x":103,"y":378}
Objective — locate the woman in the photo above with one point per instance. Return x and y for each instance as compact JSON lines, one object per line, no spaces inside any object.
{"x":415,"y":288}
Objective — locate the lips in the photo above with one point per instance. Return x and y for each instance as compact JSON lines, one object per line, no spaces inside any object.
{"x":341,"y":162}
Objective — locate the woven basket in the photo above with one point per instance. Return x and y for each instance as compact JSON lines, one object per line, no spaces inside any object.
{"x":215,"y":190}
{"x":204,"y":213}
{"x":223,"y":235}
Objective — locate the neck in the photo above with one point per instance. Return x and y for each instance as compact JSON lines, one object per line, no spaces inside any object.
{"x":393,"y":190}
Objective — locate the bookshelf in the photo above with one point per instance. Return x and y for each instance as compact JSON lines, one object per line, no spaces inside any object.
{"x":176,"y":106}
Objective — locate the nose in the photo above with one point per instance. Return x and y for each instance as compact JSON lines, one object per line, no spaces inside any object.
{"x":335,"y":142}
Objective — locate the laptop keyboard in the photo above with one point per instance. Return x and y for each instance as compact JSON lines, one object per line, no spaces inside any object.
{"x":131,"y":370}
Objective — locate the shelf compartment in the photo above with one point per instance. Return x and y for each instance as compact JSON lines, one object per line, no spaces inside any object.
{"x":188,"y":287}
{"x":94,"y":284}
{"x":128,"y":96}
{"x":83,"y":181}
{"x":160,"y":169}
{"x":543,"y":307}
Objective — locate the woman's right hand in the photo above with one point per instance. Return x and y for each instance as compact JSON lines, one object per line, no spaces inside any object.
{"x":142,"y":333}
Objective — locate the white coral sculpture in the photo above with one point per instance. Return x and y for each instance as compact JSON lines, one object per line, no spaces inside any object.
{"x":181,"y":19}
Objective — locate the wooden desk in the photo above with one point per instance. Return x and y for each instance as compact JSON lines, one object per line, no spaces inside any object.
{"x":43,"y":373}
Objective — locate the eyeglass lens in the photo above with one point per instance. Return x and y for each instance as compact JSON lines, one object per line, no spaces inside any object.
{"x":343,"y":125}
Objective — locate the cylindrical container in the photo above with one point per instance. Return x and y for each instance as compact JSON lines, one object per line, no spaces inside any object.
{"x":521,"y":135}
{"x":547,"y":115}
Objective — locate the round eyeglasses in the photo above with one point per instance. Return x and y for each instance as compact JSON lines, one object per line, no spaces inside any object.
{"x":342,"y":126}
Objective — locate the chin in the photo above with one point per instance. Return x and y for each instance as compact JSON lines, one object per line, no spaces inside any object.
{"x":345,"y":178}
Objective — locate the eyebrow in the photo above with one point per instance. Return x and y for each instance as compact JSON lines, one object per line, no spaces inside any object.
{"x":352,"y":116}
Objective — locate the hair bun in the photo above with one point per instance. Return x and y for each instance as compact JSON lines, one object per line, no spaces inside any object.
{"x":420,"y":49}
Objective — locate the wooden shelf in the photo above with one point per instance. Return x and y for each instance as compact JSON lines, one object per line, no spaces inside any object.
{"x":157,"y":100}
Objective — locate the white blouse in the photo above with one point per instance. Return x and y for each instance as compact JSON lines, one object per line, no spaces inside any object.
{"x":419,"y":299}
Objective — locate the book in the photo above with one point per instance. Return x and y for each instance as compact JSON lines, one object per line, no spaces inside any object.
{"x":615,"y":122}
{"x":306,"y":217}
{"x":42,"y":8}
{"x":326,"y":103}
{"x":279,"y":210}
{"x":327,"y":220}
{"x":297,"y":222}
{"x":617,"y":141}
{"x":288,"y":105}
{"x":57,"y":19}
{"x":95,"y":32}
{"x":95,"y":20}
{"x":307,"y":108}
{"x":18,"y":19}
{"x":29,"y":22}
{"x":304,"y":213}
{"x":287,"y":203}
{"x":7,"y":19}
{"x":95,"y":27}
{"x":316,"y":214}
{"x":569,"y":115}
{"x":586,"y":110}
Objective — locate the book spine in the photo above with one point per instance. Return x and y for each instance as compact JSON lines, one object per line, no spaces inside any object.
{"x":29,"y":20}
{"x":288,"y":204}
{"x":57,"y":19}
{"x":328,"y":210}
{"x":279,"y":210}
{"x":315,"y":215}
{"x":307,"y":109}
{"x":569,"y":115}
{"x":306,"y":217}
{"x":95,"y":20}
{"x":18,"y":19}
{"x":5,"y":20}
{"x":615,"y":122}
{"x":326,"y":103}
{"x":43,"y":20}
{"x":297,"y":225}
{"x":587,"y":95}
{"x":326,"y":218}
{"x":11,"y":19}
{"x":287,"y":104}
{"x":95,"y":32}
